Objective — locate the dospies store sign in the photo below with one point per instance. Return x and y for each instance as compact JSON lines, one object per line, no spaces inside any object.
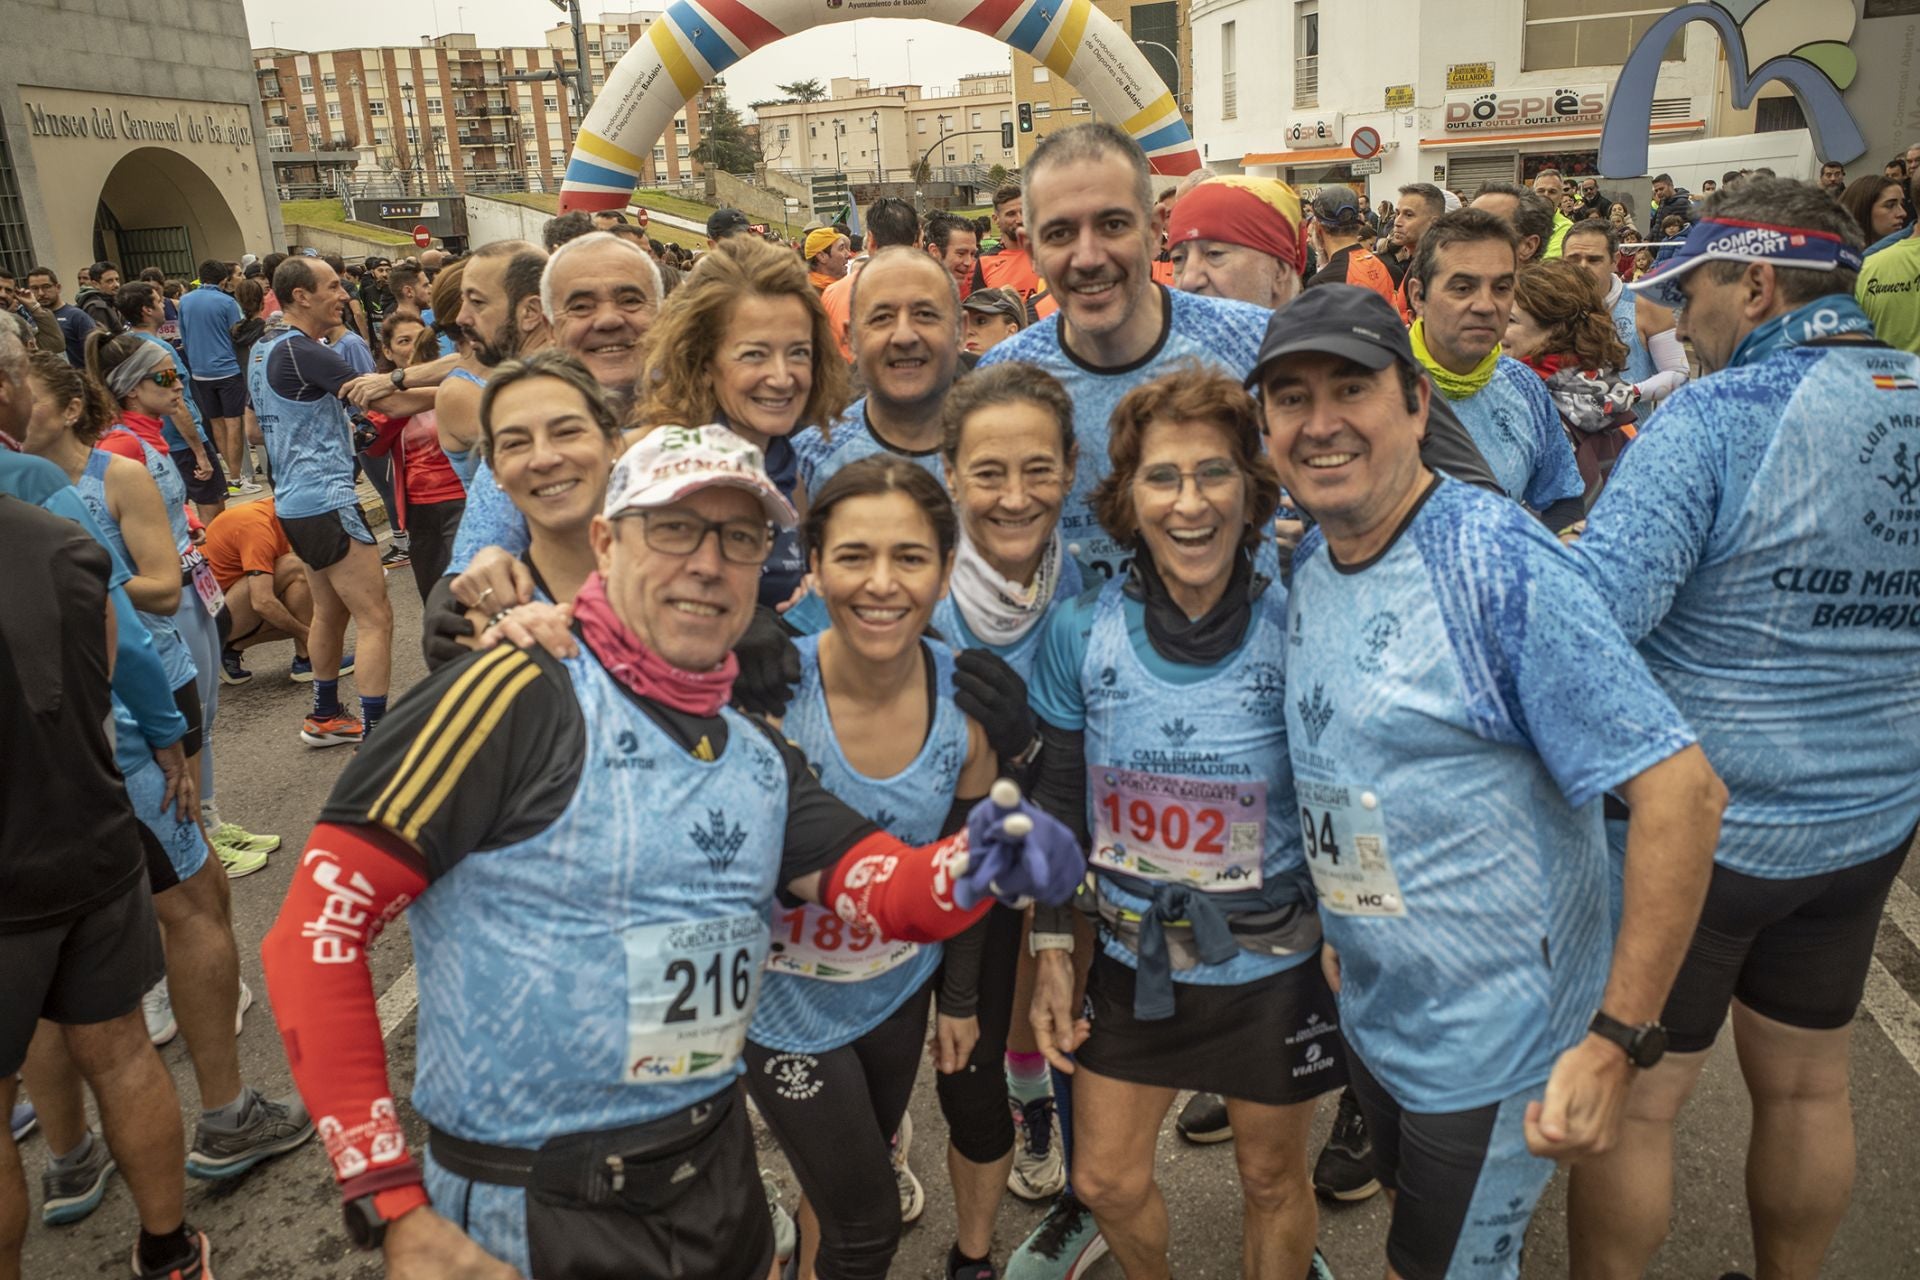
{"x":215,"y":124}
{"x":1508,"y":110}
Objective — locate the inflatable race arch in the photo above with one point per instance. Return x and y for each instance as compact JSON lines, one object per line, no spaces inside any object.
{"x":695,"y":42}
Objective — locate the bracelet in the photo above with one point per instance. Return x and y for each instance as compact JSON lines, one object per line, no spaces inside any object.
{"x":499,"y":616}
{"x":1038,"y":942}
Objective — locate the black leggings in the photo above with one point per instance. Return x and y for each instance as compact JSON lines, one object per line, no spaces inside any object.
{"x":834,"y":1113}
{"x":974,"y":1099}
{"x":431,"y":528}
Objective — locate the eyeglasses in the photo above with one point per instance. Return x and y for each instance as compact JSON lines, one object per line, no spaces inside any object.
{"x":164,"y":378}
{"x":677,"y":533}
{"x":1208,"y":477}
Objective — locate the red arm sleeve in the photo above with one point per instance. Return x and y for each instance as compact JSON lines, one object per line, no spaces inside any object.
{"x":903,"y":892}
{"x":352,"y":880}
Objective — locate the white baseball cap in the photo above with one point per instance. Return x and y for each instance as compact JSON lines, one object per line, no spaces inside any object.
{"x":671,"y":462}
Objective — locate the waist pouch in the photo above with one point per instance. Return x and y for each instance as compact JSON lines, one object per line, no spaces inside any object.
{"x":676,"y":1197}
{"x":1182,"y":928}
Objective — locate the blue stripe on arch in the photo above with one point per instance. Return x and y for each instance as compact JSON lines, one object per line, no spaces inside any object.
{"x":1033,"y":25}
{"x":1171,"y":136}
{"x":712,"y":47}
{"x":584,"y":171}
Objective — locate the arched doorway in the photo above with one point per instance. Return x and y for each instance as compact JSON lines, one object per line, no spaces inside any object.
{"x":685,"y":48}
{"x":158,"y":208}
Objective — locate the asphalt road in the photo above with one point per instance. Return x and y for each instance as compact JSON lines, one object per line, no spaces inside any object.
{"x":281,"y":1221}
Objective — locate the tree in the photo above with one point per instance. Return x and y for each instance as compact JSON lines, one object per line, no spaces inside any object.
{"x":997,"y":176}
{"x":922,"y":171}
{"x":803,"y":91}
{"x":725,"y":144}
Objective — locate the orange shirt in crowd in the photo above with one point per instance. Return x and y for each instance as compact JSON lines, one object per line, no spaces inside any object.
{"x":245,"y":538}
{"x":1010,"y":268}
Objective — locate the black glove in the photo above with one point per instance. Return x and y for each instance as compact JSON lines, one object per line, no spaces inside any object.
{"x":443,"y":624}
{"x":993,"y":693}
{"x":769,"y":665}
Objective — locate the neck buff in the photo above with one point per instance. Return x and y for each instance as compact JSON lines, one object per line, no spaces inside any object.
{"x":1201,"y":641}
{"x":146,"y":430}
{"x":639,"y":668}
{"x":1827,"y":316}
{"x":996,"y":610}
{"x":1454,"y":386}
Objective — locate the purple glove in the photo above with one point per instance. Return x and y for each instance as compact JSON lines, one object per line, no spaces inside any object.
{"x":1016,"y":853}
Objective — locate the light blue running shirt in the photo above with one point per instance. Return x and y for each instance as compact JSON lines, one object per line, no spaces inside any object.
{"x":852,"y":438}
{"x":813,"y":997}
{"x":1217,"y":333}
{"x":1518,"y":430}
{"x":1760,"y":543}
{"x":1455,"y":708}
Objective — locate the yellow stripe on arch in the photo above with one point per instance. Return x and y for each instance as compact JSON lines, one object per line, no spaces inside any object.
{"x":674,"y":59}
{"x":1073,"y":29}
{"x":1149,"y":114}
{"x":601,"y":149}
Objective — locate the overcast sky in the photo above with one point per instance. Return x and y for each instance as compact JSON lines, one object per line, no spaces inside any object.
{"x":940,"y":54}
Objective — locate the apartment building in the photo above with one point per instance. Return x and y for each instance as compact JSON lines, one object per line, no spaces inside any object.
{"x":881,"y":132}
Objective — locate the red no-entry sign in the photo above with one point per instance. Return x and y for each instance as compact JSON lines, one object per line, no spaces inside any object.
{"x":422,"y":236}
{"x":1365,"y":143}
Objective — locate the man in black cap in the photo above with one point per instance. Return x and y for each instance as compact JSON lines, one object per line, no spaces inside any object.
{"x":722,"y":223}
{"x":1335,"y":231}
{"x":991,"y":316}
{"x":1493,"y":1015}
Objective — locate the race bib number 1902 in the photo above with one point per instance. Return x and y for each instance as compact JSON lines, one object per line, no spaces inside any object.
{"x":691,"y":987}
{"x":1193,"y":831}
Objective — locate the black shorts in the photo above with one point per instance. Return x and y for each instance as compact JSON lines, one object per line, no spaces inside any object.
{"x":187,"y":700}
{"x":1795,"y":951}
{"x":322,"y":541}
{"x":93,"y":968}
{"x":220,"y":397}
{"x":1274,"y":1041}
{"x":1465,"y":1184}
{"x":213,"y":488}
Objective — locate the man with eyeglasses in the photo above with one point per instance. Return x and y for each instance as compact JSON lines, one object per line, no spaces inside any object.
{"x":590,"y":845}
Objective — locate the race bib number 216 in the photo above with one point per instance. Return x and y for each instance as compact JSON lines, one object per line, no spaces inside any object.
{"x":691,"y":987}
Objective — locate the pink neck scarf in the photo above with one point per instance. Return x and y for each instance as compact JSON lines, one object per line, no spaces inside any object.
{"x":639,"y":668}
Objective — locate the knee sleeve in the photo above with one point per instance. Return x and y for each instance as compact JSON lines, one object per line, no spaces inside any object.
{"x":974,"y":1102}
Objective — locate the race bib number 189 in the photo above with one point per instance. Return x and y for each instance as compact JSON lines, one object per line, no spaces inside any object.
{"x":1346,"y":844}
{"x":690,"y":993}
{"x":812,"y":942}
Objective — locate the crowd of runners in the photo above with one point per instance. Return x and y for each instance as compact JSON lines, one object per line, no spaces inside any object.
{"x":1216,"y":643}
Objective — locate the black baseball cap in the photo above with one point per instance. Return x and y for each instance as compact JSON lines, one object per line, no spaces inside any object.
{"x":1337,"y":320}
{"x":1336,"y":205}
{"x":999,"y":302}
{"x":722,"y":223}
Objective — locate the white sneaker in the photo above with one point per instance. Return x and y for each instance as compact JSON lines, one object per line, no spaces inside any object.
{"x":157,"y":1005}
{"x":249,"y":487}
{"x":1038,"y":1172}
{"x":913,"y":1197}
{"x":246,"y":1003}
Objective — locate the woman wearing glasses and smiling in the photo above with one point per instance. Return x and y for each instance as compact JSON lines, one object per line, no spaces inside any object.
{"x":1162,"y":709}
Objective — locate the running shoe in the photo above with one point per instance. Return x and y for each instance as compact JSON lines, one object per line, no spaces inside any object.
{"x":1064,"y":1246}
{"x":331,"y":731}
{"x":247,"y":487}
{"x":272,"y":1126}
{"x":959,"y":1268}
{"x":1038,"y":1172}
{"x":786,"y":1233}
{"x":239,"y":862}
{"x":231,"y":671}
{"x":196,"y":1269}
{"x":235,"y":836}
{"x":395,"y":558}
{"x":233,"y":490}
{"x":68,"y":1195}
{"x":240,"y":1010}
{"x":913,"y":1197}
{"x":24,"y":1120}
{"x":1319,"y":1268}
{"x":302,"y":672}
{"x":1344,"y":1170}
{"x":1204,"y":1119}
{"x":157,"y":1005}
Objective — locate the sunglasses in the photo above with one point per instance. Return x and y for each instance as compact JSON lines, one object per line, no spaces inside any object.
{"x":164,"y":378}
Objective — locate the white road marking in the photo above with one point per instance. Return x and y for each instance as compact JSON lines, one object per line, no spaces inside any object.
{"x":1903,"y":908}
{"x":404,"y":994}
{"x":1895,"y":1012}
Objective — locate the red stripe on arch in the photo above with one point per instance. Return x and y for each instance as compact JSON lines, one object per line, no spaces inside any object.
{"x":747,"y":26}
{"x":990,"y":15}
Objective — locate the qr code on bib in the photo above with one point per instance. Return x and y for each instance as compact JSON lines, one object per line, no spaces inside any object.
{"x":1243,"y":839}
{"x":1367,"y":849}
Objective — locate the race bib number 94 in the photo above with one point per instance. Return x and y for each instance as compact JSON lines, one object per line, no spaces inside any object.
{"x":690,"y":993}
{"x":812,"y":942}
{"x":1346,"y":844}
{"x":1191,"y":831}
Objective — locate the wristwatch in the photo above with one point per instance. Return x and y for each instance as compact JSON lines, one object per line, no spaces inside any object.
{"x":399,"y":377}
{"x":1031,"y":753}
{"x":1644,"y":1045}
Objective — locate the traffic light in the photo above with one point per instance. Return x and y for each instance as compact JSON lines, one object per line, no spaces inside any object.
{"x":1026,"y":117}
{"x":1006,"y":135}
